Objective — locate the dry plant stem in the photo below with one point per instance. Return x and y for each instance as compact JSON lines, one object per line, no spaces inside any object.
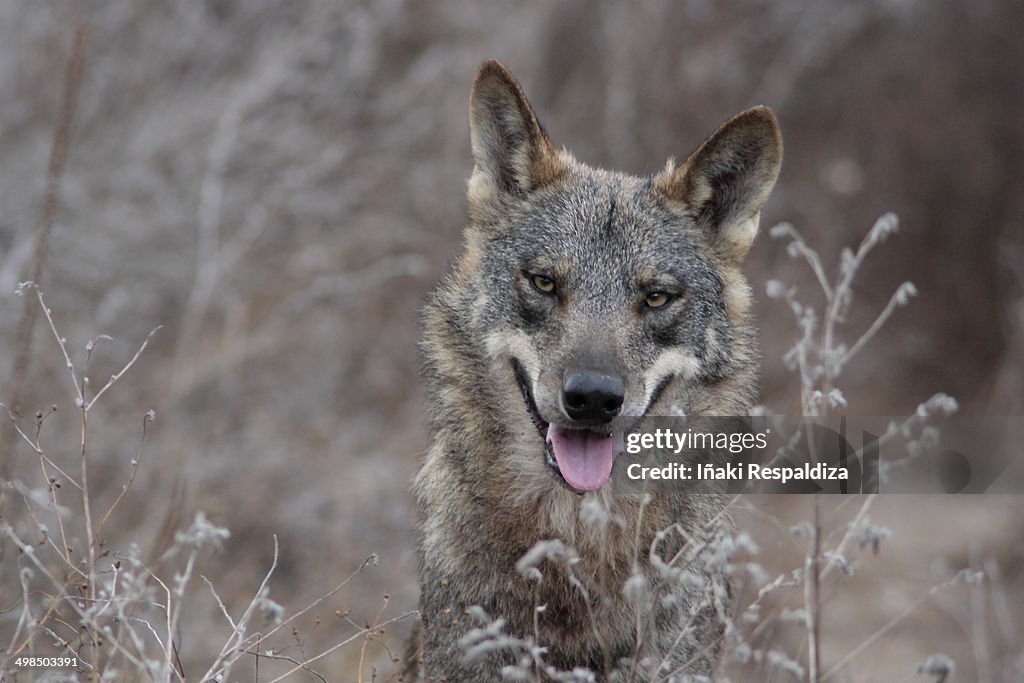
{"x":1002,"y":602}
{"x":820,"y":360}
{"x":812,"y":258}
{"x":34,"y":443}
{"x":64,"y":550}
{"x":979,"y":620}
{"x":367,"y":562}
{"x":716,"y":642}
{"x":661,"y":586}
{"x":641,"y":626}
{"x":840,"y":298}
{"x":812,"y":596}
{"x":26,"y":615}
{"x":126,"y":368}
{"x":536,"y":627}
{"x":63,"y":596}
{"x":85,"y":404}
{"x":779,"y":582}
{"x":227,"y":657}
{"x":238,"y":630}
{"x":283,"y":658}
{"x":591,"y":616}
{"x":362,"y":633}
{"x":886,"y":313}
{"x":84,"y":472}
{"x":576,"y":583}
{"x":851,"y":530}
{"x":166,"y":607}
{"x":131,"y":478}
{"x":14,"y":650}
{"x":175,"y":598}
{"x":91,"y":609}
{"x":362,"y":650}
{"x":87,"y":509}
{"x":51,"y":200}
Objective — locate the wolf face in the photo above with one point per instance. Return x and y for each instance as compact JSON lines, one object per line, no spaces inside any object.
{"x":604,"y":297}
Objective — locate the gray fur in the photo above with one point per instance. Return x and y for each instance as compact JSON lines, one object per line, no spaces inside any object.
{"x":485,"y":493}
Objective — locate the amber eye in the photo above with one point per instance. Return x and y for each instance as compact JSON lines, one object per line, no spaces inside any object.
{"x":542,"y":283}
{"x":657,"y":299}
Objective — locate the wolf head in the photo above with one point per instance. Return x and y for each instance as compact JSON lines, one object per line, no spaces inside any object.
{"x":586,"y":300}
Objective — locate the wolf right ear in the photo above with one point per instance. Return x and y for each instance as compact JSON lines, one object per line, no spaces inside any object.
{"x":511,"y":151}
{"x":725,"y":183}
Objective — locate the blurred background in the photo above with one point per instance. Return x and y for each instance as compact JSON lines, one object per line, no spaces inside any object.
{"x":279,"y":184}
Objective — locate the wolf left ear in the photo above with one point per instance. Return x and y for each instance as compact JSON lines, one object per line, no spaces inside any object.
{"x":725,"y":183}
{"x":511,"y":151}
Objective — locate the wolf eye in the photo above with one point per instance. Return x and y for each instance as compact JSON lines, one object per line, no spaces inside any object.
{"x":542,"y":283}
{"x":657,"y":299}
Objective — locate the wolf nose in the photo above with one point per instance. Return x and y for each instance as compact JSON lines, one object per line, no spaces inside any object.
{"x":592,"y":396}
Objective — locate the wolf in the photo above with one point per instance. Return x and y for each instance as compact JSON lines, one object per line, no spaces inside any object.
{"x":584,"y":300}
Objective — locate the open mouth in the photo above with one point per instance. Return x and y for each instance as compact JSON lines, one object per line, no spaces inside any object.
{"x":581,"y":459}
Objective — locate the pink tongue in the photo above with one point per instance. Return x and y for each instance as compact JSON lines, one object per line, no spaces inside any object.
{"x":584,"y":458}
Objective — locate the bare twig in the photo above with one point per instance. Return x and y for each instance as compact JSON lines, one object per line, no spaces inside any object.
{"x":113,"y":378}
{"x":850,"y":532}
{"x":147,"y":418}
{"x":222,"y":664}
{"x":812,"y":596}
{"x":362,"y":633}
